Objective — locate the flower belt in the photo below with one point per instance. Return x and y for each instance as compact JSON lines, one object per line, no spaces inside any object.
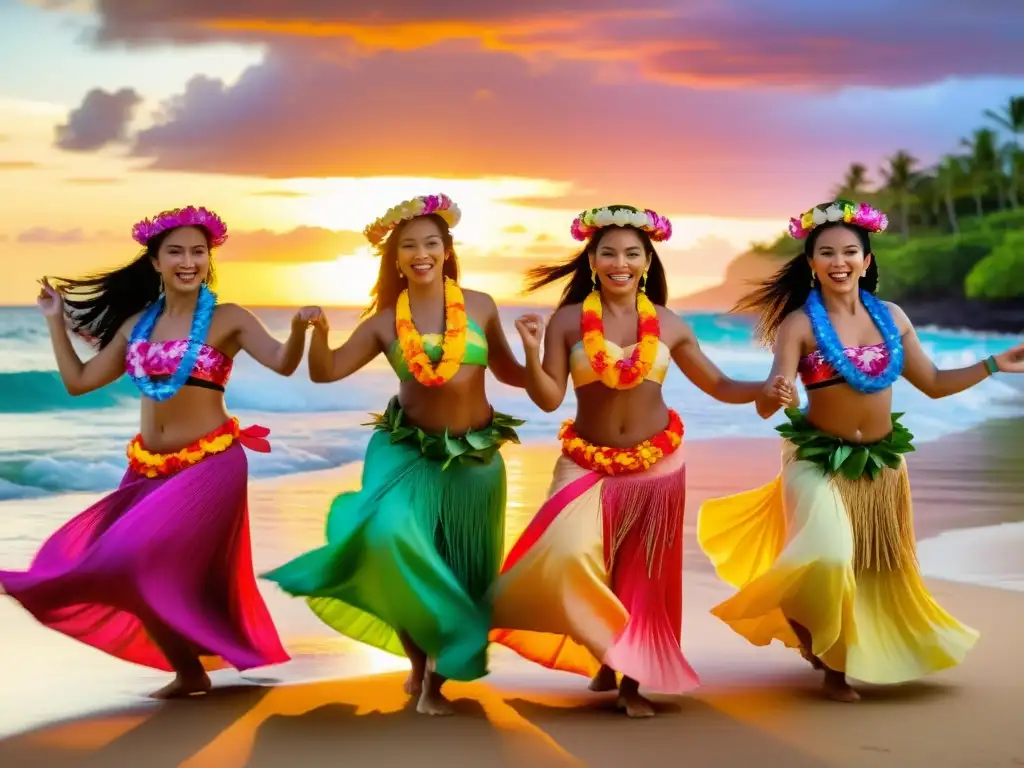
{"x":621,"y":461}
{"x":147,"y":464}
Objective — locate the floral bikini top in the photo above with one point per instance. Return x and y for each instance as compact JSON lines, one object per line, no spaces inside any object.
{"x":815,"y":372}
{"x":159,"y":359}
{"x":583,"y":373}
{"x":476,"y":350}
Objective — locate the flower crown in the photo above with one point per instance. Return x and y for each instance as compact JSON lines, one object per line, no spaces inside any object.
{"x":657,"y":227}
{"x":423,"y":205}
{"x":858,"y":214}
{"x":191,"y":216}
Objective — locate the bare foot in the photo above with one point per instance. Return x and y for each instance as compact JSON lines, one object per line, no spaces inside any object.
{"x":837,"y":689}
{"x":634,"y":705}
{"x":604,"y":680}
{"x":181,"y":687}
{"x":434,"y":703}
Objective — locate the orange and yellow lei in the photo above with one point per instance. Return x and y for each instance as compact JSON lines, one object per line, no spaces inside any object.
{"x":621,"y":461}
{"x":142,"y":462}
{"x":615,"y":370}
{"x":453,"y":349}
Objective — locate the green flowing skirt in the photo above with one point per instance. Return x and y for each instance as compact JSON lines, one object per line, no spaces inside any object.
{"x":416,"y":550}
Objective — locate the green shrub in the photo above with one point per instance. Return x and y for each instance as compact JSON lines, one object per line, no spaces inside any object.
{"x":1000,"y":275}
{"x":1003,"y":221}
{"x":931,"y":267}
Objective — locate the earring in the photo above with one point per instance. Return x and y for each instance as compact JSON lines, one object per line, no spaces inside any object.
{"x":399,"y":268}
{"x":593,"y":278}
{"x":643,"y":283}
{"x":161,"y":284}
{"x":813,"y":279}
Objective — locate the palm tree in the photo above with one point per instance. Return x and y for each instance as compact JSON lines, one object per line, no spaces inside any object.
{"x":1011,"y":120}
{"x":949,"y":177}
{"x":982,"y":165}
{"x":855,"y":183}
{"x":899,"y":176}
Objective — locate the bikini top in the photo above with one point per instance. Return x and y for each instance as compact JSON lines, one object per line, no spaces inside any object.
{"x":583,"y":373}
{"x":816,"y":372}
{"x":476,"y":350}
{"x":159,"y":360}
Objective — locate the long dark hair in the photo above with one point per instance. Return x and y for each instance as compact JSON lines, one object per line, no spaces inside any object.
{"x":787,"y":290}
{"x":581,"y":282}
{"x":390,"y":280}
{"x":98,"y":305}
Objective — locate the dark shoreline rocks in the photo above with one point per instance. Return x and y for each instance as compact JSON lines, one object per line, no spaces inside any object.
{"x":965,"y":314}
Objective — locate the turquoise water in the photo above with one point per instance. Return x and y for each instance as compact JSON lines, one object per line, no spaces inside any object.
{"x":52,"y":443}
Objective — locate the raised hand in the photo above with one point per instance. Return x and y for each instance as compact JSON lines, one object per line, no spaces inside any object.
{"x":531,"y":329}
{"x":1012,"y":360}
{"x":49,"y":300}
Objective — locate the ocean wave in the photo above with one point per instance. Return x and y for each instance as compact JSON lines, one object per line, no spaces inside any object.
{"x":24,"y":477}
{"x":41,"y":391}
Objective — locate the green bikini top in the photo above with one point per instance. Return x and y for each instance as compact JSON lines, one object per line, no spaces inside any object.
{"x":476,"y":350}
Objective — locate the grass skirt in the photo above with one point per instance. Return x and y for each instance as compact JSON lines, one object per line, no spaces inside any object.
{"x":416,"y":550}
{"x":837,"y":556}
{"x":597,"y":577}
{"x":171,"y":551}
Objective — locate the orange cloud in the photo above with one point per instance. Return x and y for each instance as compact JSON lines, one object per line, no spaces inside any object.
{"x":17,"y":165}
{"x":698,"y":43}
{"x":301,"y":244}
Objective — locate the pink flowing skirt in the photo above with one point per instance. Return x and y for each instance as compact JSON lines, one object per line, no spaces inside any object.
{"x":597,"y":577}
{"x":172,"y":552}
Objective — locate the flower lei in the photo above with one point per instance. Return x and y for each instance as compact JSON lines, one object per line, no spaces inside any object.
{"x":833,"y":352}
{"x":424,"y":205}
{"x":621,"y":461}
{"x":615,"y":371}
{"x":453,"y":348}
{"x":201,"y":318}
{"x":858,"y":214}
{"x":657,"y":227}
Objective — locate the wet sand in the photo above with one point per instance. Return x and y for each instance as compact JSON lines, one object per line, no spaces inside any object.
{"x":338,"y":703}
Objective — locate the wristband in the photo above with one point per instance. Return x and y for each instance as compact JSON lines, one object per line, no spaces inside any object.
{"x":991,"y":366}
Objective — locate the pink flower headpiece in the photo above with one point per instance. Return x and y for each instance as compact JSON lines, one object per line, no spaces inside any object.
{"x":423,"y":205}
{"x":191,"y":216}
{"x":657,"y":227}
{"x":857,"y":214}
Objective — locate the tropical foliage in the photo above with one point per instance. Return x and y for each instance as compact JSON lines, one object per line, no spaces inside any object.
{"x":956,"y":227}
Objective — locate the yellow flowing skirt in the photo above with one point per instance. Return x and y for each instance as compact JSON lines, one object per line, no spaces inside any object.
{"x":837,"y":557}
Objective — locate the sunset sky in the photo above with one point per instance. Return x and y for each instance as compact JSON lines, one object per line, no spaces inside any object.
{"x":301,"y":121}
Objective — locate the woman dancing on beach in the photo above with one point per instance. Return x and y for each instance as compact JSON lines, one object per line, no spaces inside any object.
{"x":824,"y":556}
{"x":159,"y":572}
{"x":410,"y":558}
{"x":594,"y":584}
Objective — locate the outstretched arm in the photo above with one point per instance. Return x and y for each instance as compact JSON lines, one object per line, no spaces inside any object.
{"x":255,"y":339}
{"x":546,"y":380}
{"x":778,"y":389}
{"x":81,"y":378}
{"x":920,"y":371}
{"x":327,"y":365}
{"x":500,"y":359}
{"x":705,"y":375}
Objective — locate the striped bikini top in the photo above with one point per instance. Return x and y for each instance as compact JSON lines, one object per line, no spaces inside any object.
{"x":159,"y":359}
{"x":816,"y":372}
{"x":476,"y":350}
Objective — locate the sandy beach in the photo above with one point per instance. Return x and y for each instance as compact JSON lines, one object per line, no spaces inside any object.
{"x":340,"y":704}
